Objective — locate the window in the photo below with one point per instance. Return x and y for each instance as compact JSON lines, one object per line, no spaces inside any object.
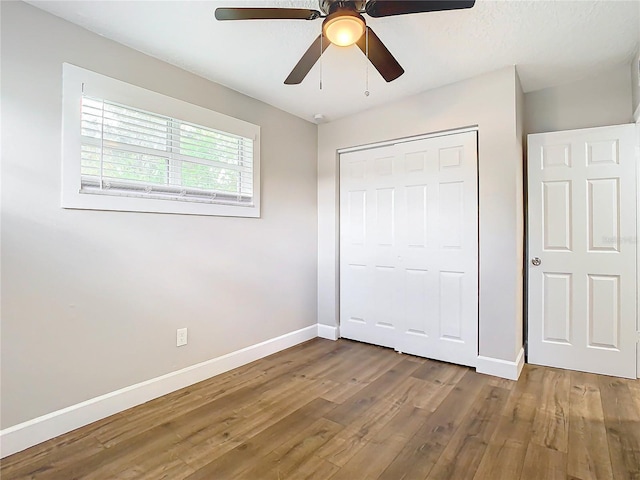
{"x":144,"y":154}
{"x":127,"y":148}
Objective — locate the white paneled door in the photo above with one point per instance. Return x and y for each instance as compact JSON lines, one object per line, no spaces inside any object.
{"x":582,"y":249}
{"x":409,"y":247}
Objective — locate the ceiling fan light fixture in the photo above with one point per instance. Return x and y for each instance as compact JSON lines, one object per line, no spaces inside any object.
{"x":344,"y":28}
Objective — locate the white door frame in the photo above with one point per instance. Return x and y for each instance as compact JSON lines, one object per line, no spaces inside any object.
{"x":413,"y":138}
{"x":636,"y":117}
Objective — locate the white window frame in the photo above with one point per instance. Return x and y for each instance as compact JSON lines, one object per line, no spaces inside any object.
{"x":78,"y":81}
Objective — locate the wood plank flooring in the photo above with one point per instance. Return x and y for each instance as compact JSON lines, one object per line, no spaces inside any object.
{"x":343,"y":410}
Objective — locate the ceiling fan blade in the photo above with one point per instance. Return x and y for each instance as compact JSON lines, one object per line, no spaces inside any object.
{"x":308,"y":60}
{"x":380,"y":57}
{"x":266,"y":14}
{"x":387,"y":8}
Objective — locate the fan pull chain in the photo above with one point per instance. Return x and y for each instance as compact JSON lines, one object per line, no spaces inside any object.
{"x":321,"y":38}
{"x":366,"y":41}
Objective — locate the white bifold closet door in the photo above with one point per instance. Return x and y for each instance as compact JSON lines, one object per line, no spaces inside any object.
{"x":582,"y":246}
{"x":409,"y":247}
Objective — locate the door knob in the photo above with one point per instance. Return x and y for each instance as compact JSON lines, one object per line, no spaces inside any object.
{"x":536,"y":261}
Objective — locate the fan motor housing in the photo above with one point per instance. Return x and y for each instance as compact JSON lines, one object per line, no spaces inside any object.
{"x":329,"y":6}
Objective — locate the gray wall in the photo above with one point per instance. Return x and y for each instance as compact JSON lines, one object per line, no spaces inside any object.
{"x":521,"y":214}
{"x":601,"y":100}
{"x":489,"y":101}
{"x":90,"y":299}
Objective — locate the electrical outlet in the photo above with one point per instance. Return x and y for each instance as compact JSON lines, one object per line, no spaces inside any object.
{"x":181,"y":337}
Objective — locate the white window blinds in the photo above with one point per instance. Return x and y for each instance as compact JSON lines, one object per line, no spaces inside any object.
{"x":130,"y":152}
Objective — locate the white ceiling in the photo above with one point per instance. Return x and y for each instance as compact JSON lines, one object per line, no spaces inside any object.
{"x":551,"y":42}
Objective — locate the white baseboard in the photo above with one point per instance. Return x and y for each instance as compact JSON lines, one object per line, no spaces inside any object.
{"x":24,"y":435}
{"x":501,"y":368}
{"x":325,"y":331}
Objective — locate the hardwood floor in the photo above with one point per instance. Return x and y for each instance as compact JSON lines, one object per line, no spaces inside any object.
{"x":344,"y":410}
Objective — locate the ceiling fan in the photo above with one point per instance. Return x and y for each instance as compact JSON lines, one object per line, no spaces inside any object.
{"x":344,"y":25}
